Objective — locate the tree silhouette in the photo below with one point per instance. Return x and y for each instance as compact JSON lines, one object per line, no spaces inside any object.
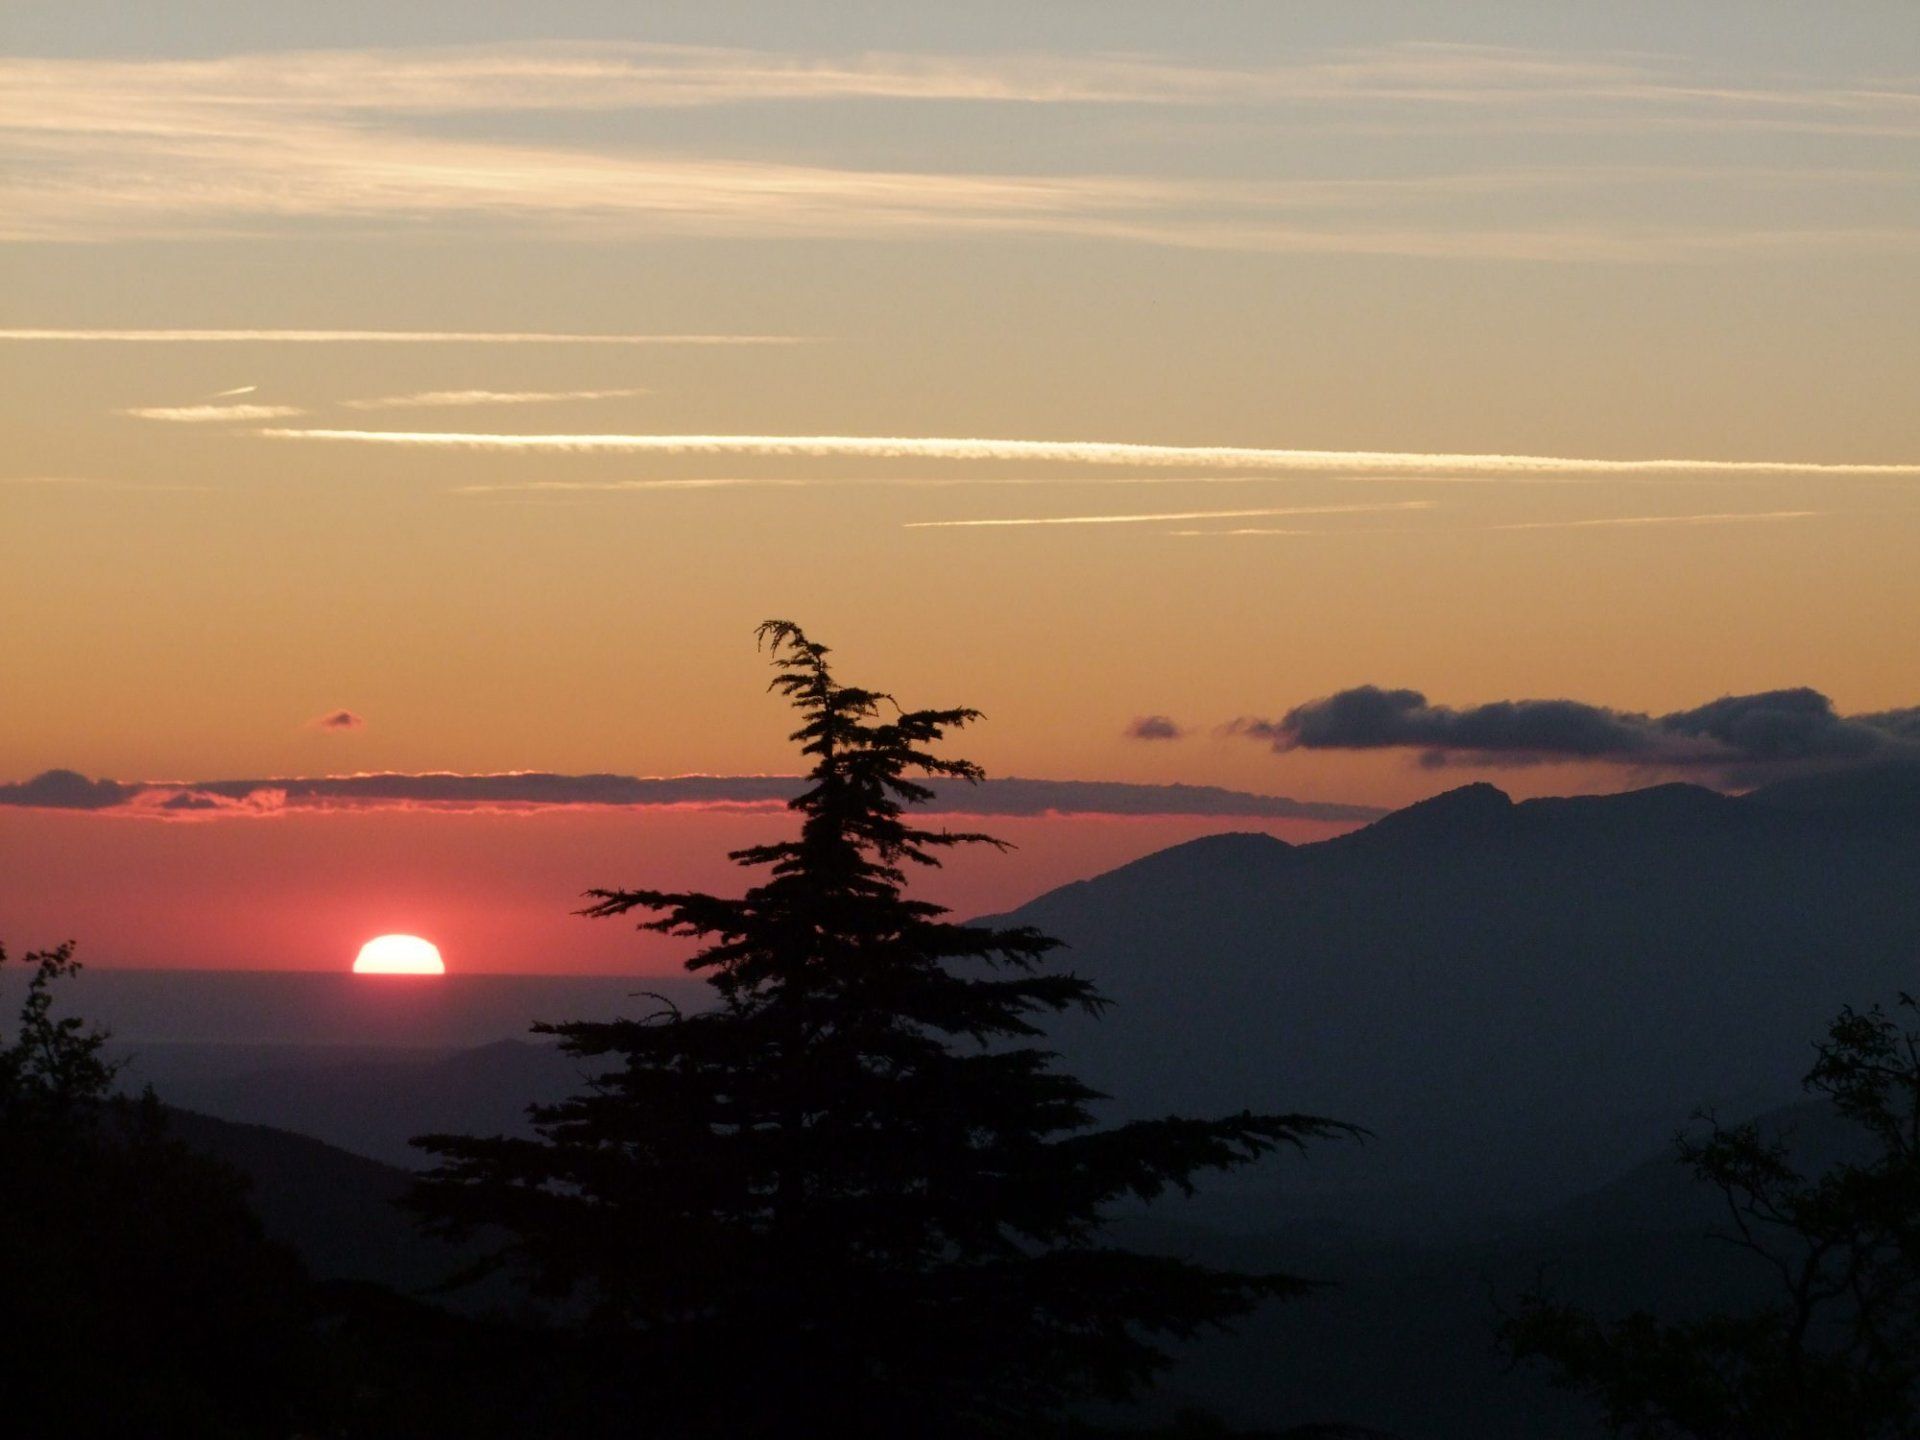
{"x":137,"y":1294}
{"x":854,"y":1197}
{"x":1837,"y":1353}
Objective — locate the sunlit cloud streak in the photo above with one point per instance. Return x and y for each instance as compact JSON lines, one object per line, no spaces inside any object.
{"x":532,"y":790}
{"x":1630,"y":521}
{"x":213,"y":414}
{"x":1109,"y":480}
{"x":1142,"y":519}
{"x":1263,"y":530}
{"x":1091,"y":452}
{"x":110,"y":150}
{"x":116,"y":94}
{"x":429,"y":398}
{"x":229,"y":394}
{"x":384,"y":337}
{"x":1721,"y":518}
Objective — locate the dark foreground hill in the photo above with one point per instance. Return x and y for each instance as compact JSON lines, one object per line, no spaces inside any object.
{"x":1519,"y":999}
{"x":338,"y":1211}
{"x":1402,"y":1342}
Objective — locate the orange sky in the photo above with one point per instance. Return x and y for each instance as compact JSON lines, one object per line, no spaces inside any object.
{"x":261,"y":263}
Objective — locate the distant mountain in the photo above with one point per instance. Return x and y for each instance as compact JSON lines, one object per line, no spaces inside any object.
{"x":296,"y":1008}
{"x":1889,"y":788}
{"x":1404,"y":1339}
{"x":363,"y":1099}
{"x":1520,"y":999}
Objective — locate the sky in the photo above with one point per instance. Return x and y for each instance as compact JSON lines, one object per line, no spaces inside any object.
{"x":453,"y":387}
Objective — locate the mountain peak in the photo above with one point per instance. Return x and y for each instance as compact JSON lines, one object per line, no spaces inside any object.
{"x":1244,"y":855}
{"x":1466,"y":809}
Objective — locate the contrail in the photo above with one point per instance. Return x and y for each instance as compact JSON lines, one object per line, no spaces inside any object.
{"x":389,"y":337}
{"x":207,"y":414}
{"x":1170,"y":515}
{"x":430,"y":398}
{"x":1714,"y":519}
{"x":1090,"y":452}
{"x":229,"y":394}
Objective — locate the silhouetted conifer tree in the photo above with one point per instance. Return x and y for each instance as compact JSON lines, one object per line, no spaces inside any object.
{"x":852,"y":1198}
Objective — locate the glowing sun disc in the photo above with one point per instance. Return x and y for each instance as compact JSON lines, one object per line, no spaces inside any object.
{"x":399,"y":955}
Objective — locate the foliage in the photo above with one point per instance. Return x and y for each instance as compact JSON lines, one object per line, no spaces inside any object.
{"x":1838,"y":1351}
{"x":854,"y":1190}
{"x":137,"y":1295}
{"x":53,"y":1066}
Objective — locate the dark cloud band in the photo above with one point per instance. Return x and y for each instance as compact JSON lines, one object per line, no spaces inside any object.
{"x":66,"y":790}
{"x":1154,"y":727}
{"x":1736,"y":734}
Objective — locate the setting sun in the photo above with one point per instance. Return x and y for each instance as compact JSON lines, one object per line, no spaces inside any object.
{"x":399,"y":955}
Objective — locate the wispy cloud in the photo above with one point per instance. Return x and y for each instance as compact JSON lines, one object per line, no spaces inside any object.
{"x":1717,"y":518}
{"x":212,"y":414}
{"x":1098,"y":452}
{"x":429,"y":398}
{"x":383,"y":337}
{"x":1146,"y":518}
{"x":967,"y":480}
{"x":1263,"y":530}
{"x":720,"y":482}
{"x":105,"y":150}
{"x":229,"y":394}
{"x":112,"y":95}
{"x":1724,"y":518}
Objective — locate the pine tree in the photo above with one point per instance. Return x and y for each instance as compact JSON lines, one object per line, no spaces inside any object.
{"x":854,"y":1197}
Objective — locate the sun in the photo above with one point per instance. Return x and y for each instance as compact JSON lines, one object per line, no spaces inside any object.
{"x":399,"y":955}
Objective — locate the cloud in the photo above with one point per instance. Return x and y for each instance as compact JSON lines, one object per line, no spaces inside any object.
{"x":339,"y":720}
{"x":528,"y":790}
{"x":1145,"y":518}
{"x":382,"y":337}
{"x":905,"y":482}
{"x":66,"y":790}
{"x":427,"y":398}
{"x":109,"y":94}
{"x":229,"y":394}
{"x":211,"y":414}
{"x":103,"y":150}
{"x":239,"y":91}
{"x":1153,"y":727}
{"x":1798,"y":724}
{"x":1095,"y":452}
{"x":1721,"y":518}
{"x":1738,"y":736}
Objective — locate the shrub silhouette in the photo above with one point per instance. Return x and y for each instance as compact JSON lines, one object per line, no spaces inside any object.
{"x":1837,"y":1352}
{"x":853,"y":1198}
{"x":137,"y":1293}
